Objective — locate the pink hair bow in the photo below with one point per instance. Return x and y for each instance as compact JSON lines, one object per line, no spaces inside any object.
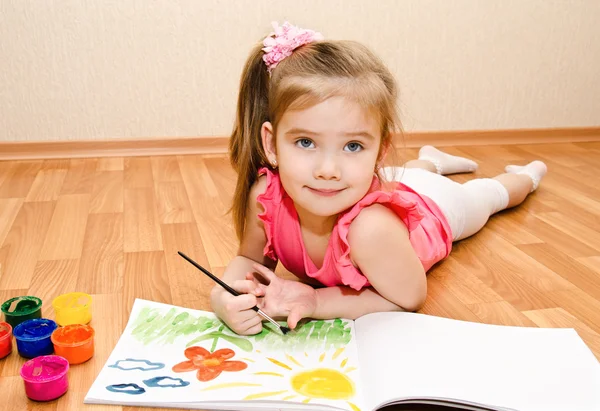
{"x":285,"y":39}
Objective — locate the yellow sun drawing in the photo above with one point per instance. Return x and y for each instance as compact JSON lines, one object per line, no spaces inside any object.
{"x":321,"y":382}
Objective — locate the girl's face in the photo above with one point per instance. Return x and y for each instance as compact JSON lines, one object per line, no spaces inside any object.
{"x":326,"y":155}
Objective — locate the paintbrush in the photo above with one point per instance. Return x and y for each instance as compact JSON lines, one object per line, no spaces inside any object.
{"x":284,"y":330}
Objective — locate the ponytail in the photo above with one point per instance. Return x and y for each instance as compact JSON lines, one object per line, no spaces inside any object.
{"x":245,"y":147}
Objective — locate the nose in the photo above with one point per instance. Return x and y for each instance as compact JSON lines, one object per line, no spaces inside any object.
{"x":327,"y":168}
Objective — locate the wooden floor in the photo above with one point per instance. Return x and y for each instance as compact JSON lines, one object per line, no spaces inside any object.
{"x":112,"y":227}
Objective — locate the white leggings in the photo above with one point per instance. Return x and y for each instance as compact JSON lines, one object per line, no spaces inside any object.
{"x":467,"y":206}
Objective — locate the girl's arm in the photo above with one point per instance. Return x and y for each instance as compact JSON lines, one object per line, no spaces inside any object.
{"x":381,"y":249}
{"x":253,"y":242}
{"x":236,"y":311}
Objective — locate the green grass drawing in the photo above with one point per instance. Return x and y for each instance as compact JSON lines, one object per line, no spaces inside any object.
{"x":152,"y":325}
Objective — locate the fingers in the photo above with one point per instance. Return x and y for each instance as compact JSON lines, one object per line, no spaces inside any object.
{"x":242,"y":319}
{"x":236,"y":311}
{"x":294,"y":317}
{"x":260,"y":303}
{"x":247,"y":326}
{"x":254,"y":330}
{"x":297,"y":313}
{"x":260,"y":289}
{"x":240,"y":303}
{"x":247,"y":287}
{"x":268,"y":274}
{"x":252,"y":326}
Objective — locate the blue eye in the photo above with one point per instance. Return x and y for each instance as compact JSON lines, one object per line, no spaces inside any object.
{"x":305,"y":143}
{"x":354,"y":147}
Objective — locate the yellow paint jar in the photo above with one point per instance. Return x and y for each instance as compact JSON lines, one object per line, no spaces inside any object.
{"x":73,"y":308}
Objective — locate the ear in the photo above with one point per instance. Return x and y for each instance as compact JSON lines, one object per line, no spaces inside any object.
{"x":268,"y":142}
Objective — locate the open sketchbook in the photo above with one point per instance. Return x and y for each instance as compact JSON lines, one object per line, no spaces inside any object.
{"x":181,"y":358}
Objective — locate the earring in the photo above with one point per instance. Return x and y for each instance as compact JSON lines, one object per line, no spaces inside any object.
{"x":274,"y":163}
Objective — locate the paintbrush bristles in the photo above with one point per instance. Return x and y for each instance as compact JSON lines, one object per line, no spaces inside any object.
{"x":284,"y":330}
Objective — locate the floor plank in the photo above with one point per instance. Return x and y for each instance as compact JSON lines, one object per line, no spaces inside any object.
{"x":64,"y":239}
{"x":23,"y":244}
{"x":19,"y":179}
{"x":141,"y":223}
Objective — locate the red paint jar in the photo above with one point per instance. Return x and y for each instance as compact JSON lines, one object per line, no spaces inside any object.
{"x":5,"y":339}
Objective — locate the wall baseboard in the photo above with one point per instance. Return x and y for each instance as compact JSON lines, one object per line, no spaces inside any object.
{"x":501,"y":137}
{"x":35,"y":150}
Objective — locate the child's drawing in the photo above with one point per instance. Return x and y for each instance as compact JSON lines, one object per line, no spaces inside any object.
{"x":209,"y":364}
{"x":163,"y":382}
{"x":155,"y":326}
{"x":131,"y":389}
{"x":133,"y":364}
{"x":162,"y":343}
{"x":328,"y":380}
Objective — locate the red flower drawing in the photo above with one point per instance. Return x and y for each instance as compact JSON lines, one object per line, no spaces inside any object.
{"x":209,"y":365}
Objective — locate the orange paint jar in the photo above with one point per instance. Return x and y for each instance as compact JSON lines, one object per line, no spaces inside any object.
{"x":74,"y":342}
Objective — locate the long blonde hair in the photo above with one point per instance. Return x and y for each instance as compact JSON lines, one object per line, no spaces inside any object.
{"x":312,"y":74}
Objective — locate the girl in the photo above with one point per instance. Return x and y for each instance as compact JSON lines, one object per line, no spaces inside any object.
{"x":314,"y":122}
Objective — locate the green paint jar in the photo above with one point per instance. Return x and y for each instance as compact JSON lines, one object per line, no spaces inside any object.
{"x":19,"y":309}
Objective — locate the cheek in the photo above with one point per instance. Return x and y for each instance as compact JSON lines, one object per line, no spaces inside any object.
{"x":362,"y":167}
{"x":362,"y":174}
{"x":292,"y":173}
{"x":293,"y":161}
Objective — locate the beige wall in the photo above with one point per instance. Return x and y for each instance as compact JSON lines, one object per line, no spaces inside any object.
{"x":103,"y":69}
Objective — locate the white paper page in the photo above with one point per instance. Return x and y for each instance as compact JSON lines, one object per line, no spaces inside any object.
{"x":526,"y":369}
{"x":317,"y":364}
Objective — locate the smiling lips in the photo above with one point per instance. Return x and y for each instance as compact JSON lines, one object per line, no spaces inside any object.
{"x":325,"y":192}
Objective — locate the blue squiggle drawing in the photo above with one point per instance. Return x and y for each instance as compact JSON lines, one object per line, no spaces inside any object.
{"x":131,"y":389}
{"x":151,"y":366}
{"x":157,"y":382}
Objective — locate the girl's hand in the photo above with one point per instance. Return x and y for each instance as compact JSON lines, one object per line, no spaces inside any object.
{"x":236,"y":311}
{"x":284,"y":298}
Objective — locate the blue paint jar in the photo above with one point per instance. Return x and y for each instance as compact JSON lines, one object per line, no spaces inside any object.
{"x":33,"y":337}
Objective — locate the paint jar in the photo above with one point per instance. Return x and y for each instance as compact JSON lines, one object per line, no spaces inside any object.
{"x":19,"y":309}
{"x":45,"y":377}
{"x":5,"y":339}
{"x":75,"y":342}
{"x":34,"y":337}
{"x":73,"y":308}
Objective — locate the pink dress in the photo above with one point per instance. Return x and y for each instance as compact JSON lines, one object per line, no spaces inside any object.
{"x":430,"y":233}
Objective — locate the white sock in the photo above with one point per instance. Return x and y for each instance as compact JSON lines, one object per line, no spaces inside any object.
{"x":536,"y":170}
{"x":446,"y":163}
